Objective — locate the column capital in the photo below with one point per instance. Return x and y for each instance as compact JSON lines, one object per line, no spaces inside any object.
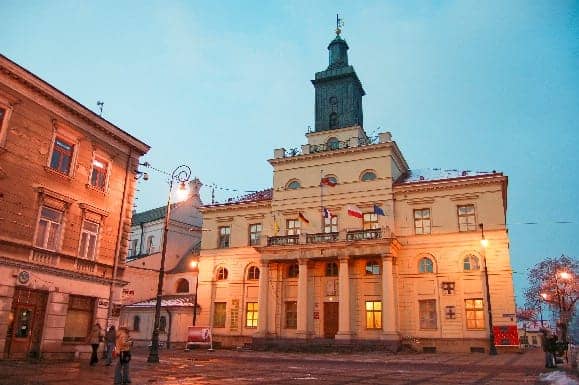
{"x":388,"y":257}
{"x":264,"y":263}
{"x":303,"y":261}
{"x":344,"y":258}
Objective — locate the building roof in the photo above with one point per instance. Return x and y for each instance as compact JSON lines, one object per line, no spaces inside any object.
{"x":149,"y":215}
{"x":183,"y":265}
{"x":437,"y":174}
{"x":256,"y":196}
{"x":175,"y":300}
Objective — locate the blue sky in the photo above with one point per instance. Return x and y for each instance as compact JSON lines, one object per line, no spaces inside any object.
{"x":470,"y":85}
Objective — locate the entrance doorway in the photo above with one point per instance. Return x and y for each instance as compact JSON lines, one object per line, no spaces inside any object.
{"x":25,"y":329}
{"x":331,"y":314}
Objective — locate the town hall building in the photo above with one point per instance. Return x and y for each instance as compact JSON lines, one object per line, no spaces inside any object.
{"x":351,"y":246}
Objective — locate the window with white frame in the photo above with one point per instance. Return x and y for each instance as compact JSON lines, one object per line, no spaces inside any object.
{"x":150,"y":244}
{"x":370,"y":221}
{"x":373,"y":267}
{"x":422,"y":221}
{"x":373,"y":314}
{"x":427,"y":312}
{"x":425,"y":265}
{"x":291,"y":315}
{"x":293,"y":227}
{"x":251,"y":315}
{"x":254,"y":234}
{"x":474,"y":309}
{"x":88,"y":239}
{"x":253,"y":273}
{"x":49,"y":228}
{"x":331,"y":224}
{"x":99,"y":174}
{"x":466,"y":218}
{"x":133,"y":248}
{"x":62,"y":155}
{"x":471,"y":263}
{"x":224,"y":236}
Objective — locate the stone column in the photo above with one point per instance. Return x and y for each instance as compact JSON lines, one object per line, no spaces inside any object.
{"x":388,"y":309}
{"x":302,"y":327}
{"x":344,"y":327}
{"x":262,"y":300}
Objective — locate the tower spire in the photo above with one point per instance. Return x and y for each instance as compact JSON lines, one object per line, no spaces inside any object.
{"x":339,"y":24}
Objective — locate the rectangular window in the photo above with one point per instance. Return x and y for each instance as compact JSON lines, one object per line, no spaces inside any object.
{"x":448,"y":288}
{"x":331,"y":225}
{"x":450,"y":312}
{"x":133,"y":249}
{"x":224,"y":234}
{"x":98,"y":178}
{"x":254,"y":234}
{"x":88,"y":239}
{"x":422,"y":221}
{"x":370,"y":221}
{"x":79,"y":318}
{"x":150,"y":244}
{"x":427,"y":312}
{"x":48,"y":229}
{"x":466,"y":219}
{"x":373,"y":314}
{"x":62,"y":152}
{"x":293,"y":227}
{"x":219,"y":314}
{"x":251,"y":315}
{"x":291,"y":315}
{"x":475,"y":317}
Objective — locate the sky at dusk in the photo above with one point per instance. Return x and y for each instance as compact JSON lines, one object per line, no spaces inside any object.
{"x":218,"y":85}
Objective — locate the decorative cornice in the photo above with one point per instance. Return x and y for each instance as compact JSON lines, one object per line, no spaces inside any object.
{"x":96,"y":210}
{"x":235,"y":206}
{"x":447,"y":184}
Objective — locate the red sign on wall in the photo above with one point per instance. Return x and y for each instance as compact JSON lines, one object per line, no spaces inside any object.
{"x":506,"y":335}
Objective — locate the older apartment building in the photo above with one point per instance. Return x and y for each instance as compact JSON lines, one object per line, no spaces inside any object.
{"x":67,"y":179}
{"x":352,"y":246}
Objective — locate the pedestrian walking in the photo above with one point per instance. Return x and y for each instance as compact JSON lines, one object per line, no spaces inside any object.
{"x":123,"y":351}
{"x":110,"y":342}
{"x":94,"y":340}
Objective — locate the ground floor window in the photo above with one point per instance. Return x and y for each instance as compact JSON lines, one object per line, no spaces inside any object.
{"x":291,"y":315}
{"x":251,"y":315}
{"x":427,"y":311}
{"x":373,"y":314}
{"x":475,"y":318}
{"x":219,"y":314}
{"x":79,"y":318}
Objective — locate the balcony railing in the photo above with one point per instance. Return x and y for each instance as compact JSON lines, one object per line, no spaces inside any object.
{"x":42,"y":257}
{"x":360,"y":235}
{"x":283,"y":240}
{"x":322,"y":237}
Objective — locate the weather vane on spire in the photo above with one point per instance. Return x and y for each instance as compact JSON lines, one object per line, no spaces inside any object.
{"x":339,"y":24}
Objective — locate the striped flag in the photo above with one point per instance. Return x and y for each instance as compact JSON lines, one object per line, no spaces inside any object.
{"x":302,"y":218}
{"x":353,"y":211}
{"x":328,"y":213}
{"x":328,"y":182}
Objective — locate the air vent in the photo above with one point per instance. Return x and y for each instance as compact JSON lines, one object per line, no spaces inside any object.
{"x":476,"y":349}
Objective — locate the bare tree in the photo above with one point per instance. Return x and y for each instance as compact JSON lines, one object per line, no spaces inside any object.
{"x":553,"y":282}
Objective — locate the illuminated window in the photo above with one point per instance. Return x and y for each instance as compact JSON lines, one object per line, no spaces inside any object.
{"x":291,"y":315}
{"x":293,"y":270}
{"x":331,"y":269}
{"x":219,"y":313}
{"x":470,"y":263}
{"x":79,"y":318}
{"x":98,"y":178}
{"x":182,"y":286}
{"x":368,"y":176}
{"x":372,"y":267}
{"x":425,"y":265}
{"x":222,"y":274}
{"x":48,"y":229}
{"x":251,"y":315}
{"x":422,"y":221}
{"x":254,"y":234}
{"x":88,"y":240}
{"x":224,"y":236}
{"x":293,"y":185}
{"x":293,"y":227}
{"x":466,"y":218}
{"x":370,"y":221}
{"x":474,"y":310}
{"x":61,"y":158}
{"x":427,"y":313}
{"x":373,"y":314}
{"x":253,"y":273}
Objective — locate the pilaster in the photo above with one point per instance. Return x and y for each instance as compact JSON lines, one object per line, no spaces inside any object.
{"x":263,"y":298}
{"x":344,"y":323}
{"x":389,"y":331}
{"x":302,"y":321}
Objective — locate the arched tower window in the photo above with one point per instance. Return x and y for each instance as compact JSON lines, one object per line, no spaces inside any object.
{"x":182,"y":286}
{"x":334,"y":120}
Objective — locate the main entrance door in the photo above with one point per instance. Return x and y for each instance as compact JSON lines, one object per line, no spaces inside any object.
{"x":25,"y":330}
{"x":331,"y":314}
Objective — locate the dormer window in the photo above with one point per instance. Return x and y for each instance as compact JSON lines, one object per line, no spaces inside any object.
{"x":293,"y":185}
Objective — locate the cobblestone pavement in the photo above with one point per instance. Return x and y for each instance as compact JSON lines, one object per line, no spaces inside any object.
{"x":201,"y":367}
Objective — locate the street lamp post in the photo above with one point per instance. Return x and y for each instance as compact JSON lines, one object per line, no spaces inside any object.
{"x":484,"y":243}
{"x":181,"y":175}
{"x":195,"y":268}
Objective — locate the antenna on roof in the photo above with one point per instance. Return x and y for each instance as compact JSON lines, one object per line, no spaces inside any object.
{"x":100,"y":104}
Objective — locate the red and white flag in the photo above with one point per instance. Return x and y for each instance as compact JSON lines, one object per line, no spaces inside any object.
{"x":353,"y":211}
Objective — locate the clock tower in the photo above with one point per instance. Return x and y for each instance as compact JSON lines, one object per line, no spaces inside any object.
{"x":338,"y":90}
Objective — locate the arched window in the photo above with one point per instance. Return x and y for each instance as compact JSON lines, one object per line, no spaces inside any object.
{"x":333,"y":120}
{"x":470,"y":263}
{"x":368,"y":176}
{"x":182,"y":286}
{"x":293,"y":270}
{"x":136,"y":323}
{"x":425,"y":265}
{"x":162,"y":323}
{"x":222,"y":274}
{"x":331,"y":269}
{"x":372,"y":267}
{"x":293,"y":185}
{"x":253,"y":273}
{"x":333,"y":143}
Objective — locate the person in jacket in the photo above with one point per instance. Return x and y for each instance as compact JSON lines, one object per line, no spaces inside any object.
{"x":94,"y":340}
{"x":110,"y":342}
{"x":123,"y":351}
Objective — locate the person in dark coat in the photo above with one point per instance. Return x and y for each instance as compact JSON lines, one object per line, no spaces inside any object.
{"x":110,"y":341}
